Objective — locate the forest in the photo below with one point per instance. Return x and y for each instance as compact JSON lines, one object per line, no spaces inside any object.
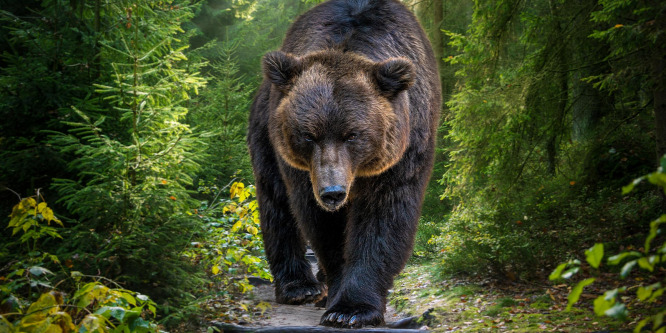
{"x":127,"y":193}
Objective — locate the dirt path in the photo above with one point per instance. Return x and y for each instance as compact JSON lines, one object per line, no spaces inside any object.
{"x":305,"y":318}
{"x":299,"y":315}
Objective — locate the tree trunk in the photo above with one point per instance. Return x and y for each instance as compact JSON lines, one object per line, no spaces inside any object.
{"x":561,"y":79}
{"x":659,"y":77}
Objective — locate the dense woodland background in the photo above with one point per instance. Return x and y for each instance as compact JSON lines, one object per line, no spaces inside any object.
{"x":125,"y":122}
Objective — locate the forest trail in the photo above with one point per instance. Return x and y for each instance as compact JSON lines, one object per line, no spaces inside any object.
{"x":305,"y":318}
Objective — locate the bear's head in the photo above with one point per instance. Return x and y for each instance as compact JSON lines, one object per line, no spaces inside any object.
{"x":338,"y":115}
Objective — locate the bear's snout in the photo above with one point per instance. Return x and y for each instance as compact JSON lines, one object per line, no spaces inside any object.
{"x":332,"y":196}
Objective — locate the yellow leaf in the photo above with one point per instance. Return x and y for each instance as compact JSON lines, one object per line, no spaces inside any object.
{"x":619,"y":25}
{"x":236,"y":226}
{"x":236,"y":189}
{"x":41,"y":207}
{"x":263,"y":306}
{"x":92,"y":323}
{"x":29,"y":202}
{"x":45,"y":305}
{"x":47,"y":214}
{"x":253,"y":230}
{"x":215,"y":269}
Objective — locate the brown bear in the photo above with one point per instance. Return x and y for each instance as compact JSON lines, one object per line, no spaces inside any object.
{"x":342,"y":140}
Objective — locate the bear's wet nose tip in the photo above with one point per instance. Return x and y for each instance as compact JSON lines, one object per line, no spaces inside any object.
{"x":333,"y":195}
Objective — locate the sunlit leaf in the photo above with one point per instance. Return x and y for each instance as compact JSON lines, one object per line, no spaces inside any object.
{"x":616,"y":259}
{"x":557,"y":273}
{"x":595,"y":254}
{"x":626,"y":269}
{"x":236,"y":226}
{"x":601,"y":304}
{"x":618,"y":311}
{"x":645,"y":264}
{"x":575,"y":293}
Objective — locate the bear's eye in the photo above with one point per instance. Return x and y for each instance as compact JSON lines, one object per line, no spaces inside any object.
{"x":351,"y":137}
{"x":308,"y":137}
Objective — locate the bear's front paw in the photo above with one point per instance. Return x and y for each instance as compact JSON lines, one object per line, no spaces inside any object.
{"x":352,"y":317}
{"x":299,"y":292}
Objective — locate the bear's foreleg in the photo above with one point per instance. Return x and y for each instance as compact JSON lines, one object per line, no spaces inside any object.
{"x":324,"y":230}
{"x":380,"y":234}
{"x":285,"y":250}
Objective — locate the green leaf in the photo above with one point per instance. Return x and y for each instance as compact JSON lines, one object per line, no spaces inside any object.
{"x":574,"y":295}
{"x":657,"y":320}
{"x":557,"y":273}
{"x":626,"y":269}
{"x":92,"y":324}
{"x":616,"y":259}
{"x":656,"y":294}
{"x":641,"y":324}
{"x":601,"y":304}
{"x":618,"y":311}
{"x":129,"y":298}
{"x":39,"y":271}
{"x":570,"y":272}
{"x":645,"y":264}
{"x":643,"y":292}
{"x":658,"y":179}
{"x":76,"y":275}
{"x":630,"y":187}
{"x":595,"y":254}
{"x":41,"y":206}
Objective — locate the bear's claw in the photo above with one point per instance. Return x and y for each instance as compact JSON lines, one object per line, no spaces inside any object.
{"x":355,"y":319}
{"x":300,"y":292}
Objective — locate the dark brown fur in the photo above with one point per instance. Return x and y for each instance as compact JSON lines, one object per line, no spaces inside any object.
{"x":342,"y":137}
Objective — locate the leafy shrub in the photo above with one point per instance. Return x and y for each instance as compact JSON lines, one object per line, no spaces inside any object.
{"x":31,"y":303}
{"x":232,"y":248}
{"x":650,"y":259}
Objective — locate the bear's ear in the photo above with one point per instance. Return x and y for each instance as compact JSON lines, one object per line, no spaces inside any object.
{"x":394,"y":75}
{"x":280,"y":68}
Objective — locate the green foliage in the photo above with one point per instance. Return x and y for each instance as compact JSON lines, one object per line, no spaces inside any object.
{"x":46,"y":65}
{"x":631,"y":30}
{"x":233,"y":248}
{"x":27,"y":215}
{"x":93,"y":308}
{"x":535,"y":151}
{"x":222,"y":116}
{"x":31,"y":303}
{"x":230,"y":250}
{"x":650,"y":257}
{"x":134,"y":157}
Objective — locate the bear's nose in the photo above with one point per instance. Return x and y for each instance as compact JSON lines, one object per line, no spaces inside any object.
{"x":332,"y":195}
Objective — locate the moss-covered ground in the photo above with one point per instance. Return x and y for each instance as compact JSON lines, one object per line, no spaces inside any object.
{"x":478,"y":305}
